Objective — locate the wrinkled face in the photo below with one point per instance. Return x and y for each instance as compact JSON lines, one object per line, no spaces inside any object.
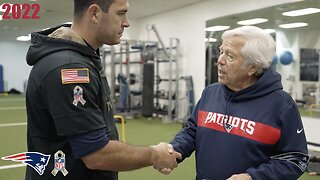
{"x":231,"y":69}
{"x":111,"y":24}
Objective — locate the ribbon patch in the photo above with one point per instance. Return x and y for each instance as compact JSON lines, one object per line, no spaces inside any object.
{"x":59,"y":163}
{"x":78,"y":96}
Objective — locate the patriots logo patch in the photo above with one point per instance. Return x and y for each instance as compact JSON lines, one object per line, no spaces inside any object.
{"x":228,"y":127}
{"x":299,"y":159}
{"x":36,"y":160}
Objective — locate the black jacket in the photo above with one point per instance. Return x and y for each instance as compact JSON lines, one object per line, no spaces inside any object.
{"x":57,"y":109}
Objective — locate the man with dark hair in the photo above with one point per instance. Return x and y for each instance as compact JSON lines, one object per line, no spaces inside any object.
{"x":70,"y":113}
{"x":80,"y":6}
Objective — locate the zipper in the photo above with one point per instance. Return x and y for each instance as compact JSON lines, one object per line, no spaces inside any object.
{"x":226,"y":125}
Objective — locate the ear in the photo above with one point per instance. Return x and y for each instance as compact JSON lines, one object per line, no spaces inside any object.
{"x":94,"y":12}
{"x":252,"y":69}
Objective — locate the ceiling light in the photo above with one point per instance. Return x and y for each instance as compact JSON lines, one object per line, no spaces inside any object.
{"x":293,"y":25}
{"x":210,"y":40}
{"x":24,"y":38}
{"x":217,"y":28}
{"x":301,"y":12}
{"x":270,"y":31}
{"x":252,"y":21}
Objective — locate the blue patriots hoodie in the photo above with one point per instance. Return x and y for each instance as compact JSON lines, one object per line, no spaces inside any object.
{"x":257,"y":130}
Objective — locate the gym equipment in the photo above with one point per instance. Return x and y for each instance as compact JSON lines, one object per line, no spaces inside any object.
{"x":212,"y":56}
{"x":125,"y":97}
{"x":190,"y":103}
{"x":123,"y":93}
{"x":129,"y":59}
{"x":120,"y":119}
{"x":1,"y":79}
{"x":153,"y":27}
{"x":147,"y":93}
{"x":286,"y":58}
{"x":132,"y":78}
{"x":167,"y":56}
{"x":190,"y":93}
{"x":123,"y":65}
{"x":314,"y":163}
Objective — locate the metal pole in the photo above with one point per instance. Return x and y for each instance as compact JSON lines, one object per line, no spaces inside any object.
{"x":209,"y":65}
{"x":170,"y":83}
{"x":176,"y":100}
{"x":127,"y":75}
{"x":153,"y":27}
{"x":113,"y":78}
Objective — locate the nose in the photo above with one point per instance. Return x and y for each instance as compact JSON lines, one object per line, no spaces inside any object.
{"x":126,"y":22}
{"x":221,"y":59}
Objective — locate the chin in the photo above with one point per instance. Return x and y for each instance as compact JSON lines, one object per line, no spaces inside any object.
{"x":113,"y":42}
{"x":221,"y":81}
{"x":116,"y":41}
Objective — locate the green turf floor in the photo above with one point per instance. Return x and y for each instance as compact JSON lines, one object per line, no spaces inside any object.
{"x":141,"y":131}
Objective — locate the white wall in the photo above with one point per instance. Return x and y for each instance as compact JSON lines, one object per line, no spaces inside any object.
{"x":15,"y":68}
{"x":188,"y":25}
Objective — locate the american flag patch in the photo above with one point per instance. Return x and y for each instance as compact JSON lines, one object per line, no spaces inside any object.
{"x":70,"y":76}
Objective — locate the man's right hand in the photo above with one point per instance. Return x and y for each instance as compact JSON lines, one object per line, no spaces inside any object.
{"x":164,"y":159}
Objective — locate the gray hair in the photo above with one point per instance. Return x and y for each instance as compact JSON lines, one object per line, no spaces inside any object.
{"x":259,"y":48}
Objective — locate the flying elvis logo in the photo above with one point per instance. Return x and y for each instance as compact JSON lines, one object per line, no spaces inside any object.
{"x":36,"y":160}
{"x":239,"y":126}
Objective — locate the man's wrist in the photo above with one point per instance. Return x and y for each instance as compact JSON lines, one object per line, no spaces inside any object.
{"x":153,"y":155}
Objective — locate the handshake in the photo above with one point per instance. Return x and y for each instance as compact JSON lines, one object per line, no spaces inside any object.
{"x":164,"y":158}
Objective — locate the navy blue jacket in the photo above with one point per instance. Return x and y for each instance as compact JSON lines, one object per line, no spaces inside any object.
{"x":257,"y":130}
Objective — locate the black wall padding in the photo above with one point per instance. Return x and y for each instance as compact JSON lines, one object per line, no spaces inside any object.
{"x":1,"y":79}
{"x":147,"y":91}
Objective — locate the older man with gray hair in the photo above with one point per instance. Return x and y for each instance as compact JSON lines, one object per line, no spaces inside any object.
{"x":245,"y":126}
